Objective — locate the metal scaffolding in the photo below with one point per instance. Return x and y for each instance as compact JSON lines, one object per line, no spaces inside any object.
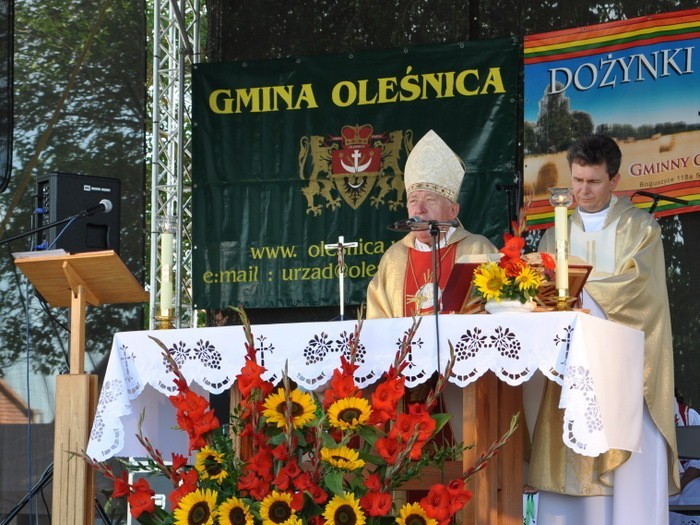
{"x":176,"y":37}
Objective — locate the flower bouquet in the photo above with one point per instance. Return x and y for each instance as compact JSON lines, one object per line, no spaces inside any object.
{"x":303,"y":457}
{"x":514,"y":277}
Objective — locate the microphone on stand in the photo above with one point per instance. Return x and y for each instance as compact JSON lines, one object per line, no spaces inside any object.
{"x":658,"y":197}
{"x":405,"y":225}
{"x":418,"y":224}
{"x":104,"y":206}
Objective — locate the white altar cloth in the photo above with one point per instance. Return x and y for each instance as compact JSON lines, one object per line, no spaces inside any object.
{"x":598,"y":363}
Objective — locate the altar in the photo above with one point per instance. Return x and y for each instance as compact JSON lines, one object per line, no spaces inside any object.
{"x":592,"y":359}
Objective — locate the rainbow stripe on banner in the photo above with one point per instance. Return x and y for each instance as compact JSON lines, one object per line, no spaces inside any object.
{"x":636,"y":80}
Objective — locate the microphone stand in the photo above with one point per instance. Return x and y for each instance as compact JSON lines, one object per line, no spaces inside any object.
{"x":40,"y":228}
{"x":434,"y":229}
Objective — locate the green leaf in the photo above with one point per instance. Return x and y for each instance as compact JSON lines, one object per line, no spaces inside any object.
{"x":334,"y":481}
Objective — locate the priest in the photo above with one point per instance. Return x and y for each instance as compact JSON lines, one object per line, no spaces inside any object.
{"x":627,"y":286}
{"x":403,"y":284}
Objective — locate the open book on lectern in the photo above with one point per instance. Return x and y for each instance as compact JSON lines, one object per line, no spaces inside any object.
{"x":457,"y":296}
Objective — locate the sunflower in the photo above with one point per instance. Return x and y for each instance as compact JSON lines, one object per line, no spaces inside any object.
{"x":276,"y":509}
{"x":344,"y":510}
{"x":235,"y":511}
{"x":197,"y":508}
{"x":414,"y":514}
{"x":490,"y":279}
{"x":342,"y":457}
{"x":528,"y":279}
{"x":209,"y":464}
{"x":349,"y":412}
{"x":302,"y":408}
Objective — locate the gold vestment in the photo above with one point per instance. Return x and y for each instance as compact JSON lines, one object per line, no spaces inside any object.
{"x":386,"y":297}
{"x":635,"y":296}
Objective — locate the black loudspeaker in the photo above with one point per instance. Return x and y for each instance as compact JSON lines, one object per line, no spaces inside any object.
{"x":63,"y":195}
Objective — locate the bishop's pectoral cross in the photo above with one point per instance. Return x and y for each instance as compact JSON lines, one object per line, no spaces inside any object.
{"x":341,"y":246}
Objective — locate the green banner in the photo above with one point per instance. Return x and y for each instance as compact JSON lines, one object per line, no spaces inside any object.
{"x":291,"y":155}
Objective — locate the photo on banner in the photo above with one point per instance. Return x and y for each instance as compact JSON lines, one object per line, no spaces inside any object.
{"x":635,"y":80}
{"x":290,"y":155}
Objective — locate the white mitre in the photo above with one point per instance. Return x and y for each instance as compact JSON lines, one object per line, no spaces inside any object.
{"x":433,"y":166}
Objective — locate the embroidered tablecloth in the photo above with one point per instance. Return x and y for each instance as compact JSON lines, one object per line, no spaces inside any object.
{"x":594,"y":360}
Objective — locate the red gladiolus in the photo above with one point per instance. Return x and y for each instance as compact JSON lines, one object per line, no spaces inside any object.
{"x":459,"y":496}
{"x":250,"y":377}
{"x":373,"y":483}
{"x":188,"y":483}
{"x":178,"y":461}
{"x":437,"y":503}
{"x":281,"y":452}
{"x":388,"y":448}
{"x":260,"y":491}
{"x":121,"y":485}
{"x":261,"y":463}
{"x":302,"y":482}
{"x":425,"y":424}
{"x":342,"y":384}
{"x":376,"y":503}
{"x":318,"y":495}
{"x":141,"y":500}
{"x":513,"y":246}
{"x":297,"y":502}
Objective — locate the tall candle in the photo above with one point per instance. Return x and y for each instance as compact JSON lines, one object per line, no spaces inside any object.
{"x":561,"y":235}
{"x":166,"y":283}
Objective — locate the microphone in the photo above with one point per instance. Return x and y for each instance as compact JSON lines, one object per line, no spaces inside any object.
{"x":416,"y":223}
{"x":657,"y":196}
{"x":104,"y":206}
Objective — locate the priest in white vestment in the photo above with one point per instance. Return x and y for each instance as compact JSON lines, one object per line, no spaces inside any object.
{"x":628,"y":286}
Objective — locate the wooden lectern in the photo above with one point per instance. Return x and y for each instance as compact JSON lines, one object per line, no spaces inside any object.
{"x":75,"y":281}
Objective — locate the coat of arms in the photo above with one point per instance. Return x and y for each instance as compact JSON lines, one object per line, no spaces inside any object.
{"x":351,"y":165}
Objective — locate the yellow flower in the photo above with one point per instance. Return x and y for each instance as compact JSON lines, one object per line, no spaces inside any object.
{"x":528,"y":279}
{"x":489,"y":279}
{"x":197,"y":508}
{"x":414,"y":514}
{"x":276,"y":509}
{"x":302,"y":408}
{"x":209,"y":464}
{"x":344,"y":510}
{"x":349,"y":412}
{"x":342,"y":457}
{"x":235,"y":511}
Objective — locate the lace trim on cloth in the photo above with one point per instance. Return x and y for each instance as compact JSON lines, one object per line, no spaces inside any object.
{"x":563,"y":345}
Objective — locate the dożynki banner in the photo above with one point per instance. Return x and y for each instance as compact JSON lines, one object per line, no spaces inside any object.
{"x":290,"y":156}
{"x":636,"y":81}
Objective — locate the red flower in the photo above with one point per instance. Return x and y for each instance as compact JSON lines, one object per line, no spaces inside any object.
{"x":250,"y":377}
{"x":421,"y":418}
{"x":141,"y":500}
{"x":459,"y":496}
{"x":188,"y":483}
{"x":318,"y":495}
{"x":342,"y":384}
{"x":388,"y":448}
{"x":376,"y":503}
{"x":121,"y":485}
{"x":548,"y":261}
{"x":302,"y":482}
{"x":179,"y":461}
{"x":373,"y":483}
{"x":513,"y":267}
{"x":297,"y":502}
{"x":513,"y":246}
{"x":437,"y":503}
